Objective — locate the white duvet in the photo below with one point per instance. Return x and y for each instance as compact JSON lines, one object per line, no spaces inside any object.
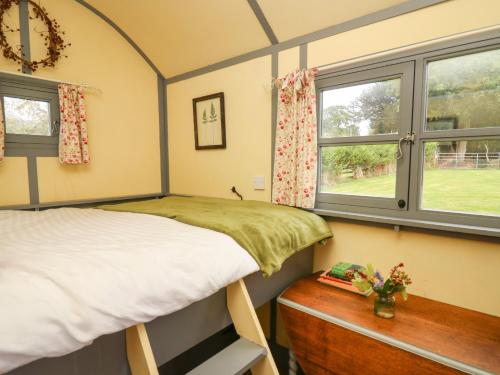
{"x":68,"y":276}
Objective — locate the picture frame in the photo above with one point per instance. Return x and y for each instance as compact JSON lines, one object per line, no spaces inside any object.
{"x":442,"y":123}
{"x":209,"y":122}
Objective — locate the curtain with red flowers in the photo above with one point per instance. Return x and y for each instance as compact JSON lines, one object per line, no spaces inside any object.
{"x":73,"y":137}
{"x":295,"y":158}
{"x":2,"y":134}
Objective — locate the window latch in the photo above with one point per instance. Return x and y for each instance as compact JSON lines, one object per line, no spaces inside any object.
{"x":409,"y":139}
{"x":55,"y":127}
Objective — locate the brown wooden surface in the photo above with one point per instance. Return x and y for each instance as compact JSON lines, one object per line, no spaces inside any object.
{"x":325,"y":348}
{"x":460,"y":334}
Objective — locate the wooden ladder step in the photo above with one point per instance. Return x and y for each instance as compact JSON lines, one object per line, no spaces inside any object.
{"x":236,"y":359}
{"x":250,"y":351}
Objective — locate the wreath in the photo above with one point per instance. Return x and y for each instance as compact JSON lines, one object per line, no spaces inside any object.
{"x":53,"y":40}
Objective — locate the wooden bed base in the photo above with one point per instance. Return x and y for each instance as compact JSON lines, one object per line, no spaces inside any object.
{"x":140,"y":355}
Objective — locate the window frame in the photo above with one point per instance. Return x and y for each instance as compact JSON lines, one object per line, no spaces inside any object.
{"x":413,"y":215}
{"x":31,"y":89}
{"x":402,"y":71}
{"x":422,"y":136}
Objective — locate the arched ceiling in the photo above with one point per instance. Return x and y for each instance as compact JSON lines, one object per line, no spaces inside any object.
{"x":183,"y":35}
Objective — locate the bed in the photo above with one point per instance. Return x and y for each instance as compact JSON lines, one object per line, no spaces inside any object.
{"x":172,"y":276}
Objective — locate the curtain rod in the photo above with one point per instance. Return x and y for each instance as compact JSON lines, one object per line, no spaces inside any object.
{"x":84,"y":85}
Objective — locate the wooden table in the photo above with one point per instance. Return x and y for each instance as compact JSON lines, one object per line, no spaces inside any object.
{"x":333,"y":331}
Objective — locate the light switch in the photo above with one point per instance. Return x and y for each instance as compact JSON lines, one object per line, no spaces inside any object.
{"x":259,"y":182}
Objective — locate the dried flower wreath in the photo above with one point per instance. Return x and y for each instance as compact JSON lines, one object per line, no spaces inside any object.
{"x":52,"y":37}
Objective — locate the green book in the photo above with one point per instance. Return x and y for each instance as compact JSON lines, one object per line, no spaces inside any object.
{"x":340,"y":269}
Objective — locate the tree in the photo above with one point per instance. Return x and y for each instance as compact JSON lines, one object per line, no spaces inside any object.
{"x":379,"y":104}
{"x":339,"y":121}
{"x":27,"y":116}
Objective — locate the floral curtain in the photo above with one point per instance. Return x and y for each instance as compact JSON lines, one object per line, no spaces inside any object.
{"x":2,"y":134}
{"x":294,"y":176}
{"x":73,"y":137}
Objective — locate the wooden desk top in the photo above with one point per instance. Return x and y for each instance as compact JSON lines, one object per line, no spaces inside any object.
{"x":438,"y":331}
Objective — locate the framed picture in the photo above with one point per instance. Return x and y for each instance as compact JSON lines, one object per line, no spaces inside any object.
{"x":209,"y":122}
{"x":442,"y":123}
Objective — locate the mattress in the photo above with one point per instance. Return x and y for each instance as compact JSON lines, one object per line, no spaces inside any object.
{"x":68,"y":276}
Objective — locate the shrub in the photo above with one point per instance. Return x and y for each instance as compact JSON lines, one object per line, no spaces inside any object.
{"x":359,"y":160}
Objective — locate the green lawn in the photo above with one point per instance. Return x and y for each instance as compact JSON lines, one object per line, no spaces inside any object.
{"x":470,"y":190}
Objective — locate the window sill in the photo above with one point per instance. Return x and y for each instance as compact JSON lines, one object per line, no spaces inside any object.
{"x":31,"y":149}
{"x":413,"y":223}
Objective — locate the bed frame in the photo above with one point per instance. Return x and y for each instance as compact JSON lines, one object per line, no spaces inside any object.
{"x":147,"y":346}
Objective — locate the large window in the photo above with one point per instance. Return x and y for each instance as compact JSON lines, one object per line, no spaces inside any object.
{"x":31,"y":116}
{"x":417,"y":139}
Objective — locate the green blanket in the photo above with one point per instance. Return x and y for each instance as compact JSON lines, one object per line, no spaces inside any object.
{"x":270,"y":233}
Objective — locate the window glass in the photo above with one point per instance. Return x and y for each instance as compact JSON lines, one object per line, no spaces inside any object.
{"x":26,"y":116}
{"x":464,"y":92}
{"x":462,"y":176}
{"x":359,"y":110}
{"x":368,"y":170}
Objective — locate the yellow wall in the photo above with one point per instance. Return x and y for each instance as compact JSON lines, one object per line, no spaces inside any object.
{"x":13,"y":171}
{"x":455,"y":270}
{"x":440,"y":20}
{"x":14,"y":187}
{"x":289,"y":59}
{"x":247,"y":96}
{"x":122,"y":120}
{"x":446,"y":268}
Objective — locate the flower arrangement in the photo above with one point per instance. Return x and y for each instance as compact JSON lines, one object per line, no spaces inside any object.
{"x":397,"y":282}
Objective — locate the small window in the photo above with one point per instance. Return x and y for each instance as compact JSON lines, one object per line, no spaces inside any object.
{"x":368,"y":170}
{"x":364,"y":109}
{"x":464,"y":92}
{"x":462,"y":176}
{"x":25,"y":116}
{"x":31,"y":116}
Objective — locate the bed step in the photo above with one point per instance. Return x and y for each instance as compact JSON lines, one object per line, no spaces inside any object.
{"x":250,"y":351}
{"x":236,"y":359}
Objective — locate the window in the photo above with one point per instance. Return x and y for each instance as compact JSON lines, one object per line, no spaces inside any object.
{"x":462,"y":176}
{"x":25,"y":116}
{"x":463,"y":92}
{"x":31,"y":116}
{"x":362,"y":117}
{"x":414,"y":140}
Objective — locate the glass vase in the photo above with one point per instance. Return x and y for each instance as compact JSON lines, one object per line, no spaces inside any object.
{"x":385,"y":306}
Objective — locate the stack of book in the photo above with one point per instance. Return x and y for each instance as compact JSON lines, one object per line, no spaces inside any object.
{"x":339,"y":277}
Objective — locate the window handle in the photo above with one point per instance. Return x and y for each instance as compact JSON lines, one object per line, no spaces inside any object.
{"x":409,"y":139}
{"x":55,"y":127}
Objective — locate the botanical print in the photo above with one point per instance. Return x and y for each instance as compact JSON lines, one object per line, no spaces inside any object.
{"x":209,"y":125}
{"x":73,"y":137}
{"x":2,"y":134}
{"x":295,"y":160}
